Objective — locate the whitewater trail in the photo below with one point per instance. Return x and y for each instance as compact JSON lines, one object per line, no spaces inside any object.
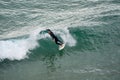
{"x":17,"y":49}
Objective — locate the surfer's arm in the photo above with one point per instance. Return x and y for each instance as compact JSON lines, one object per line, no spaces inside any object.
{"x":42,"y":32}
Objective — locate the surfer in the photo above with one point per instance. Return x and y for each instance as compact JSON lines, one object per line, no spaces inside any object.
{"x":55,"y":39}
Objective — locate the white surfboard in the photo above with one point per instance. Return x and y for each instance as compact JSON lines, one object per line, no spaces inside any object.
{"x":61,"y":46}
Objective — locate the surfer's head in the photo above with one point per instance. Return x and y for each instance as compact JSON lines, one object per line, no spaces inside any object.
{"x":48,"y":30}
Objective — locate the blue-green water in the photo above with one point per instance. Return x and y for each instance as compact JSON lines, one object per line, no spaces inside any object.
{"x":90,"y":29}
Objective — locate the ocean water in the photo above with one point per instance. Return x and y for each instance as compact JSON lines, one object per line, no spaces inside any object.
{"x":90,"y":29}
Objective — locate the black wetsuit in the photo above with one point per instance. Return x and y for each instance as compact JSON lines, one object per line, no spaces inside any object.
{"x":57,"y":41}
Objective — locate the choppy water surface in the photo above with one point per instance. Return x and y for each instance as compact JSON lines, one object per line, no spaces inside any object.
{"x":90,"y":29}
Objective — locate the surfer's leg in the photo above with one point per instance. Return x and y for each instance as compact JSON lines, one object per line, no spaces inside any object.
{"x":58,"y":42}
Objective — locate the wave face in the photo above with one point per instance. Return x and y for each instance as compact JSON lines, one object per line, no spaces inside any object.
{"x":90,"y":29}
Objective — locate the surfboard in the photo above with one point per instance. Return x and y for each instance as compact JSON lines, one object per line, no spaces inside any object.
{"x":61,"y":46}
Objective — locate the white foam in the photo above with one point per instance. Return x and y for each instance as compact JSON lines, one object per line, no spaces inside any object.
{"x":13,"y":49}
{"x":17,"y":49}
